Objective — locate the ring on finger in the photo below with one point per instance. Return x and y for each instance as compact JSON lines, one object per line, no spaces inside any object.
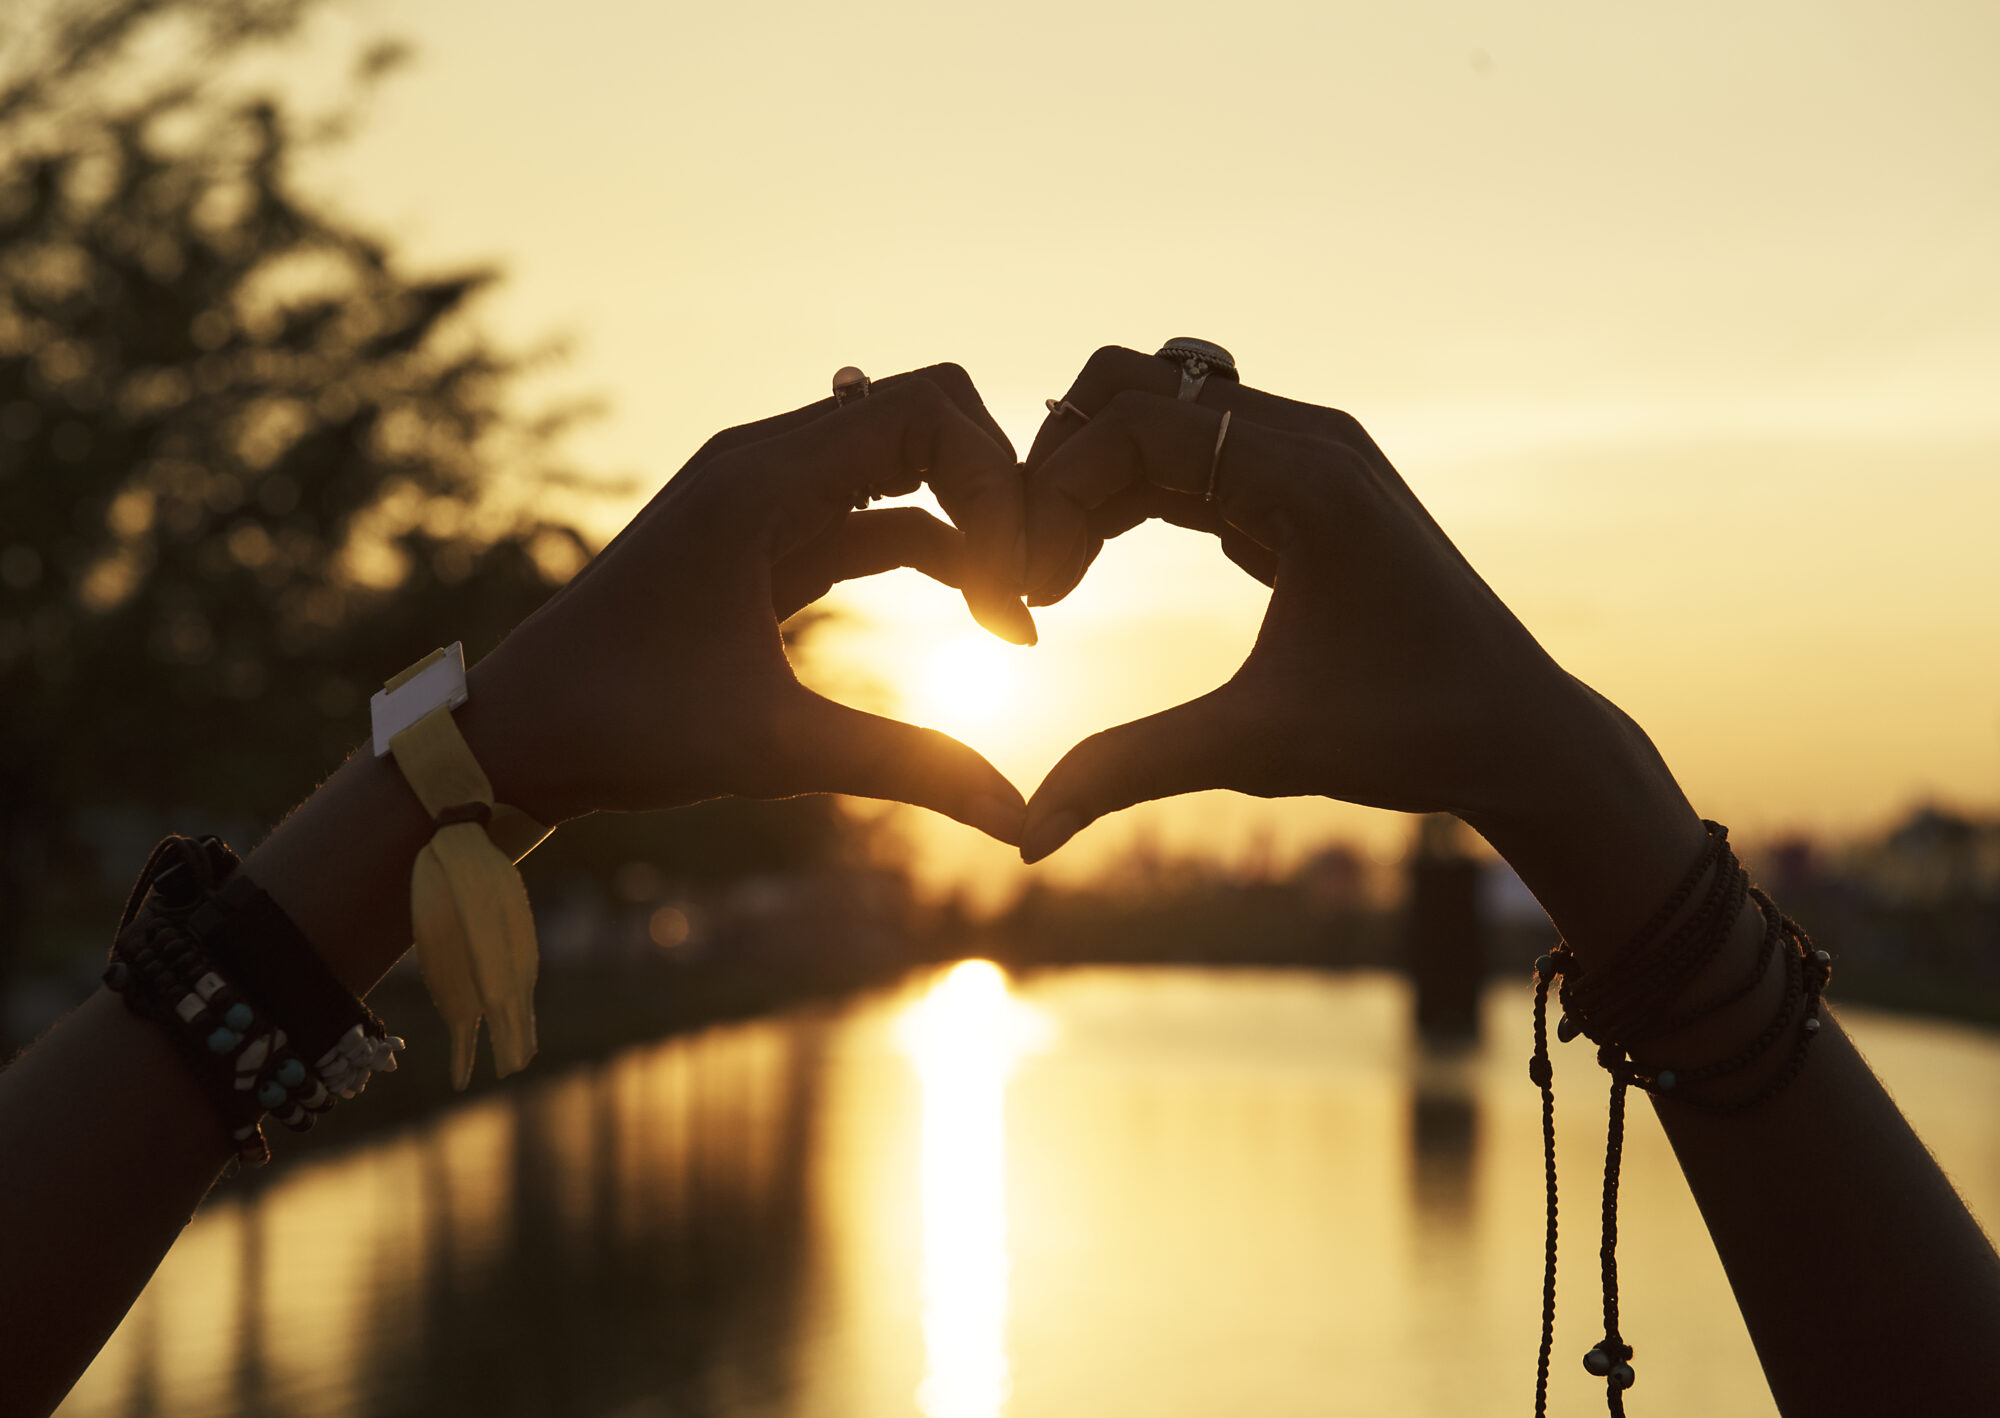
{"x":1215,"y":462}
{"x":850,"y":384}
{"x":1197,"y":360}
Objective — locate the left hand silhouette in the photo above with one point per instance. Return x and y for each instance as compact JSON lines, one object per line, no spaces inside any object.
{"x":657,"y":676}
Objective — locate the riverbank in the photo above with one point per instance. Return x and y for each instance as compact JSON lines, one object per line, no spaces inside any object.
{"x":821,"y":947}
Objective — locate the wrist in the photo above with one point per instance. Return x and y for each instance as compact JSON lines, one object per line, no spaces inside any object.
{"x":340,"y":864}
{"x":1600,"y":833}
{"x":505,"y":731}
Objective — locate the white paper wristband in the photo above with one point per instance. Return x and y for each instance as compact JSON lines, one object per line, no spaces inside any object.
{"x":442,"y":681}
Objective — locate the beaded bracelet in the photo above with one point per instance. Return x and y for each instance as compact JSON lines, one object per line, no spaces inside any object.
{"x":164,"y":976}
{"x":1631,"y":1006}
{"x":213,"y":960}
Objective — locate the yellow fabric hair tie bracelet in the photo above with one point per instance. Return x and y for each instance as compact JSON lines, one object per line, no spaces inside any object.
{"x":475,"y":933}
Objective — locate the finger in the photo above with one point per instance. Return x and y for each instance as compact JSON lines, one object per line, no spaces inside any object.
{"x":1056,"y":560}
{"x":950,"y":380}
{"x":1069,"y":520}
{"x":1116,"y":515}
{"x":1260,"y":562}
{"x":1180,"y":750}
{"x":1197,"y":514}
{"x":984,"y":496}
{"x":1180,"y":460}
{"x":867,"y":544}
{"x":1112,"y":370}
{"x":868,"y":756}
{"x":1123,"y":511}
{"x":1061,"y":544}
{"x":886,"y":444}
{"x":978,"y":484}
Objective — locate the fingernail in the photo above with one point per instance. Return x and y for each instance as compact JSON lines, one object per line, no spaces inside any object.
{"x":1007,"y":618}
{"x":1024,"y":622}
{"x":996,"y":818}
{"x":1052,"y":833}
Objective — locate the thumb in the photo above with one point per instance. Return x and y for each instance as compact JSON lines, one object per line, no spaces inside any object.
{"x":1180,"y":750}
{"x":844,"y":750}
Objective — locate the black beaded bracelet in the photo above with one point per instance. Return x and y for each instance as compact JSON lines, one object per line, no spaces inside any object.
{"x":243,"y":1059}
{"x":214,"y":961}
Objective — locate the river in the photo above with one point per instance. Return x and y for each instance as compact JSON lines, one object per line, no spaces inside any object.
{"x":1151,"y":1191}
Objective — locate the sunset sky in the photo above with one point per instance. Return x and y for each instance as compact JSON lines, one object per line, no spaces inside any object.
{"x":1684,"y":321}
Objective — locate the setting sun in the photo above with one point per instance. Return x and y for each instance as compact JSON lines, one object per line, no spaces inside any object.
{"x":968,"y":680}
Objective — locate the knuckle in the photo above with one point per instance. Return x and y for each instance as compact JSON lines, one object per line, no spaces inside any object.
{"x":1348,"y":466}
{"x":951,"y":377}
{"x":729,"y":488}
{"x":911,"y":394}
{"x":1127,"y":406}
{"x":915,"y":408}
{"x":1343,"y":425}
{"x":1313,"y":472}
{"x":1104,"y":357}
{"x":1309,"y":456}
{"x":717,"y":445}
{"x":1109,"y":370}
{"x":1348,"y":431}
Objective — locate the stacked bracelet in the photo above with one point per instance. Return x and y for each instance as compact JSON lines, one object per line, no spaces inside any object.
{"x":1635,"y":1004}
{"x":213,"y":960}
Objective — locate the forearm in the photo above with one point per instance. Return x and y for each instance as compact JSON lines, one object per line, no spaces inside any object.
{"x":1866,"y":1285}
{"x":107,"y":1144}
{"x":110,"y":1145}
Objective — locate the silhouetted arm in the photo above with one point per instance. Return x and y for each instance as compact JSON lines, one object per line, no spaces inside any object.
{"x":1388,"y":673}
{"x":1866,"y":1285}
{"x":656,"y":677}
{"x":108,"y":1144}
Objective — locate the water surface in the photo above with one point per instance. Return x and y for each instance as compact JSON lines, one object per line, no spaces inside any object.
{"x":1135,"y":1191}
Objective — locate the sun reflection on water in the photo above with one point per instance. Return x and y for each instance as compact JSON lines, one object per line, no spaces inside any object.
{"x":964,"y":1037}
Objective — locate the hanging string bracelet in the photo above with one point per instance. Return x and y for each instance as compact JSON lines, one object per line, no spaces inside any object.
{"x":1633,"y":1004}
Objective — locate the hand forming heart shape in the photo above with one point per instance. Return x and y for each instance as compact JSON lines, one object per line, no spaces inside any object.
{"x":1386,"y":672}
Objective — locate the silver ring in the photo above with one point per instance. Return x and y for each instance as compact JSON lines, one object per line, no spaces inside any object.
{"x":1059,"y":407}
{"x":1215,"y":462}
{"x":849,"y":384}
{"x":1197,"y":359}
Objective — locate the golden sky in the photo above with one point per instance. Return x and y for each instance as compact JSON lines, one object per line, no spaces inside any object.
{"x":1685,"y":321}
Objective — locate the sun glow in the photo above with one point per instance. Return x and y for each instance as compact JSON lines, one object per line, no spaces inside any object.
{"x":964,"y":1038}
{"x":969,"y":680}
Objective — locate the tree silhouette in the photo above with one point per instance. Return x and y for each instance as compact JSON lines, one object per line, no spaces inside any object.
{"x":248,"y":464}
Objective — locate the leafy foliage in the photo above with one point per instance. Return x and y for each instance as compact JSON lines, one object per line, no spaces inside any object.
{"x":248,"y":464}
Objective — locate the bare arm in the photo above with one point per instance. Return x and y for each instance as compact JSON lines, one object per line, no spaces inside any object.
{"x":657,"y":677}
{"x":1388,"y":673}
{"x":1866,"y":1285}
{"x":109,"y":1144}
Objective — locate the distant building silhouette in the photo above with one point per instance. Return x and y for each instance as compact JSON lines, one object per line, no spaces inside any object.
{"x":1443,"y":937}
